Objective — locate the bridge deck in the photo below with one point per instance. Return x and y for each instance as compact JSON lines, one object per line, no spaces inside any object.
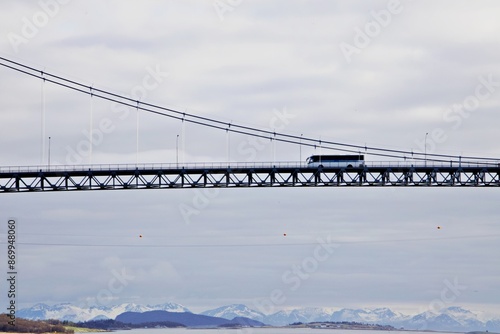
{"x":57,"y":178}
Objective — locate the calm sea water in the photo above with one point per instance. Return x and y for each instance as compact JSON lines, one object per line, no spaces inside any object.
{"x":258,"y":331}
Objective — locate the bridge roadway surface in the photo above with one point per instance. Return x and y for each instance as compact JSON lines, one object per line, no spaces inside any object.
{"x":283,"y":174}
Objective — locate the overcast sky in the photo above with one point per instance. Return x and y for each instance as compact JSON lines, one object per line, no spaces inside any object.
{"x":379,"y":73}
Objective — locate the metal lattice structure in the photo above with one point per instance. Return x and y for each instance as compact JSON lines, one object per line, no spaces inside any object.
{"x":227,"y":177}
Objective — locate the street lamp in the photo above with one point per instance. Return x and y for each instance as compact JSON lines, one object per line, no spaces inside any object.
{"x":49,"y":154}
{"x":177,"y":150}
{"x":425,"y":149}
{"x":300,"y":148}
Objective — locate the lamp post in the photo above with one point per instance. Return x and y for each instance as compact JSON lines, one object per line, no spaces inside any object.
{"x":49,"y":154}
{"x":300,"y":147}
{"x":177,"y":150}
{"x":425,"y":149}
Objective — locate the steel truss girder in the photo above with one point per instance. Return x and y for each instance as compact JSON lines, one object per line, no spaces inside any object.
{"x":248,"y":177}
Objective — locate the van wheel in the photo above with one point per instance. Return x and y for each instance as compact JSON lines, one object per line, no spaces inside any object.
{"x":349,"y":166}
{"x":320,"y":166}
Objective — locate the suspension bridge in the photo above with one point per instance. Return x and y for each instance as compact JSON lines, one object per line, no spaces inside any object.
{"x":400,"y":168}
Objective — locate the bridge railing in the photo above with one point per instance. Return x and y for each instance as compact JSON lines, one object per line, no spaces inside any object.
{"x":148,"y":166}
{"x":422,"y":163}
{"x":234,"y":165}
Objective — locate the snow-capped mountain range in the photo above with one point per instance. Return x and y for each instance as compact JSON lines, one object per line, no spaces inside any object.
{"x":233,"y":311}
{"x":74,"y":313}
{"x":449,"y":319}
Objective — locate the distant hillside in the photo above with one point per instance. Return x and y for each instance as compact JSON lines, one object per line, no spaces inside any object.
{"x":247,"y":322}
{"x":30,"y":326}
{"x":184,"y":318}
{"x":110,"y":325}
{"x":66,"y":311}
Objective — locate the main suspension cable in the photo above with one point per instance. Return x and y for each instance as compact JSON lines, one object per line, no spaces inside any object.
{"x":231,"y":127}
